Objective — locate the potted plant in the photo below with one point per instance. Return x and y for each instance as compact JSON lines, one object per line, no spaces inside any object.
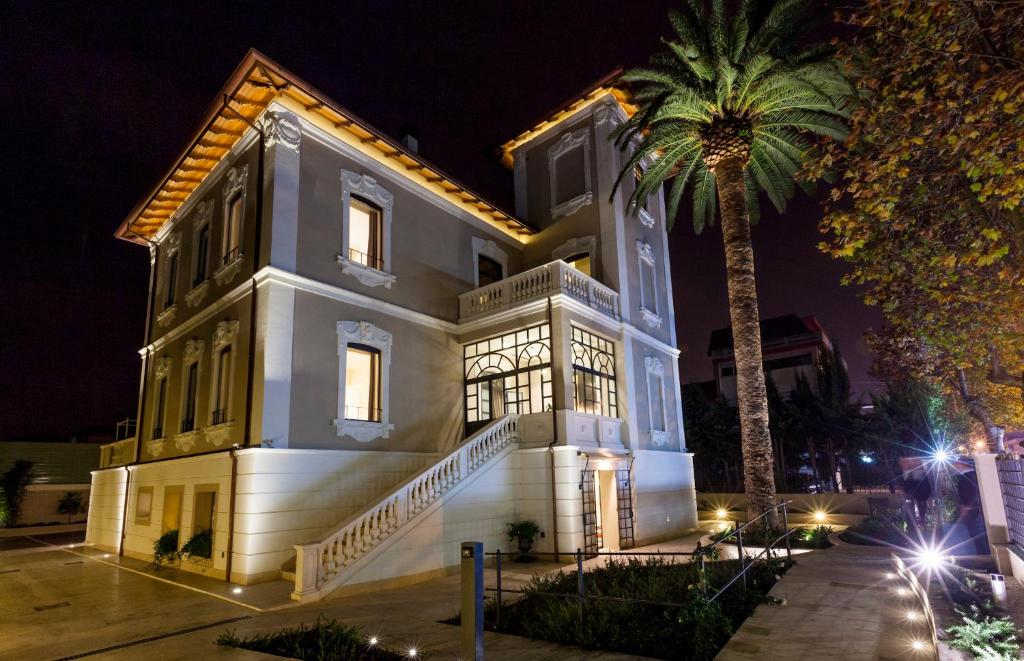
{"x":523,"y":533}
{"x":165,"y":549}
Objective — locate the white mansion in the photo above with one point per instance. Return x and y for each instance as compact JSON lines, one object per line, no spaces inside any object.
{"x":352,"y":362}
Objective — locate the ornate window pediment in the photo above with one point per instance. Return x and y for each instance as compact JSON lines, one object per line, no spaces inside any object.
{"x":366,"y":335}
{"x":657,"y":407}
{"x":569,"y":171}
{"x":283,"y":128}
{"x":234,"y":194}
{"x":648,"y":284}
{"x":489,"y":249}
{"x":371,"y":270}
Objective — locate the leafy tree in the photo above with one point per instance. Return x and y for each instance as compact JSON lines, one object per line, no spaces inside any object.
{"x":928,"y":208}
{"x":727,"y":111}
{"x":12,"y":485}
{"x":713,"y":435}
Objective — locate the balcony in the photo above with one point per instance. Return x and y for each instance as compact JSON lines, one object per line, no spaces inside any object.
{"x":117,"y":453}
{"x":554,"y":278}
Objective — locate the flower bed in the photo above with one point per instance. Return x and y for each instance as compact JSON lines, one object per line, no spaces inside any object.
{"x":327,"y":640}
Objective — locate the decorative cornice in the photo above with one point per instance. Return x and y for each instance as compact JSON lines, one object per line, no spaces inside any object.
{"x":645,"y":217}
{"x":235,"y":180}
{"x":187,"y":440}
{"x":224,"y":333}
{"x":217,"y":435}
{"x":608,"y":113}
{"x":196,"y":295}
{"x":363,"y":332}
{"x":193,"y":350}
{"x":165,"y":318}
{"x":572,"y":206}
{"x":370,"y":277}
{"x":653,"y":365}
{"x":156,"y":447}
{"x":204,"y":212}
{"x":576,"y":245}
{"x":162,"y":366}
{"x":644,"y":251}
{"x":367,"y":186}
{"x":362,"y":430}
{"x":652,"y":319}
{"x":282,"y":127}
{"x":229,"y":271}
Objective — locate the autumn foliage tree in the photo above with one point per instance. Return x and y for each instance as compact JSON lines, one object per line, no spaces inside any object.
{"x":928,"y":203}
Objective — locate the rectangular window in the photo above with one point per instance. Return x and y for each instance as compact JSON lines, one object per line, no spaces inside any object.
{"x":143,"y":505}
{"x":489,"y":271}
{"x":656,"y":393}
{"x":202,"y":254}
{"x":580,"y":262}
{"x":364,"y":233}
{"x":362,"y":383}
{"x":233,"y":229}
{"x":161,"y":406}
{"x":172,"y":508}
{"x":188,"y":420}
{"x":648,"y":291}
{"x":222,"y":386}
{"x":570,"y":175}
{"x":593,"y":369}
{"x":172,"y":276}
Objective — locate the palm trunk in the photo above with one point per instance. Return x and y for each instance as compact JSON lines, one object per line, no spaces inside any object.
{"x":758,"y":477}
{"x":812,"y":454}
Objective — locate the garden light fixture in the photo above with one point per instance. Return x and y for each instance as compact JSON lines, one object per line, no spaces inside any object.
{"x":237,"y":590}
{"x":912,"y":615}
{"x":918,"y":645}
{"x":931,"y":558}
{"x":721,"y":513}
{"x":373,"y":641}
{"x":901,"y":592}
{"x":412,"y":653}
{"x":820,"y":516}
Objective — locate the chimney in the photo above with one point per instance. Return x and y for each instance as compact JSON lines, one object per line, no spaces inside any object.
{"x":409,"y":137}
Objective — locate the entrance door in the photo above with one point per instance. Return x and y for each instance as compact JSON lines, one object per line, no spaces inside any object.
{"x":491,"y":402}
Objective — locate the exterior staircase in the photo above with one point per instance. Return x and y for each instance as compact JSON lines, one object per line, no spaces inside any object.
{"x":325,"y":565}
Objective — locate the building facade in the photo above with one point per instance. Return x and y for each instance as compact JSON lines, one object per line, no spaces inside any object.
{"x":791,"y":347}
{"x":353,"y":362}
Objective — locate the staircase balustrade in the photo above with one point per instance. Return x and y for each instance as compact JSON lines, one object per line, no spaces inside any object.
{"x":320,"y":563}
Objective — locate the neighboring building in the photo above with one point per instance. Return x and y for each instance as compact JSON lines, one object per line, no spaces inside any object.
{"x":57,"y":460}
{"x":791,"y":347}
{"x":353,"y":362}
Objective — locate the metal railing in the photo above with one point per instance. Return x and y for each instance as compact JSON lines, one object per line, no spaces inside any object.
{"x":219,"y":416}
{"x":738,"y":535}
{"x":231,"y":255}
{"x":187,"y":425}
{"x":362,"y":413}
{"x":124,"y":429}
{"x":365,"y":259}
{"x":158,"y":433}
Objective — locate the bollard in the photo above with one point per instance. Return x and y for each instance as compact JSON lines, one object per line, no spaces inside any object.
{"x":998,"y":589}
{"x":472,"y":625}
{"x":785,"y":531}
{"x":743,"y":560}
{"x":497,"y":614}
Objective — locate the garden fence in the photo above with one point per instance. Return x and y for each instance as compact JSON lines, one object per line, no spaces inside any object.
{"x":772,"y":551}
{"x":1011,"y":483}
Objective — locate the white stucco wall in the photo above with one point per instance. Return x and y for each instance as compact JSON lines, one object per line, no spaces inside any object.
{"x":665,"y":500}
{"x":106,"y":501}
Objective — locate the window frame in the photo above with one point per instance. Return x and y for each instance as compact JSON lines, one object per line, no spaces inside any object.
{"x":648,"y":278}
{"x":185,"y":439}
{"x":373,"y":411}
{"x":365,"y":334}
{"x":201,"y":263}
{"x":585,"y":347}
{"x":161,"y":373}
{"x":577,"y":246}
{"x":489,"y":249}
{"x":566,"y":143}
{"x":654,"y":371}
{"x":145,"y":519}
{"x":235,"y":187}
{"x":225,"y":337}
{"x":366,"y":189}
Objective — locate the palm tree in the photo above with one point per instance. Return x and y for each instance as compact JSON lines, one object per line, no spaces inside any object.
{"x":729,"y":110}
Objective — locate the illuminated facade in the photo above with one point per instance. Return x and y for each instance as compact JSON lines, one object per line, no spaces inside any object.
{"x":359,"y":351}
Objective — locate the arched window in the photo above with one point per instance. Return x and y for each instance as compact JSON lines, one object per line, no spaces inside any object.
{"x":593,"y":369}
{"x":507,"y":374}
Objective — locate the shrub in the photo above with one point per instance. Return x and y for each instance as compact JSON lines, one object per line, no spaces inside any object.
{"x":327,"y":640}
{"x":985,"y":637}
{"x":815,"y":538}
{"x":525,"y":531}
{"x":693,"y":628}
{"x":12,"y":485}
{"x":165,"y":549}
{"x":880,"y":529}
{"x":200,"y":546}
{"x":70,"y":504}
{"x":802,"y":538}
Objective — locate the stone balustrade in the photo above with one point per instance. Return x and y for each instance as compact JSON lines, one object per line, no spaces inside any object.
{"x":554,"y":278}
{"x":117,"y":453}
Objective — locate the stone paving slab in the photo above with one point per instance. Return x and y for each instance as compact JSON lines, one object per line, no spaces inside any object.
{"x":839,"y":604}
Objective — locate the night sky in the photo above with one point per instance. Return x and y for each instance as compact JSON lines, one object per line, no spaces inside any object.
{"x":97,"y":99}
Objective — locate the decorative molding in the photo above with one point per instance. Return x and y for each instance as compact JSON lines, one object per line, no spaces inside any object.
{"x":653,"y":365}
{"x":162,"y":366}
{"x":576,"y":245}
{"x":652,"y":319}
{"x":659,"y":437}
{"x":229,"y":271}
{"x":187,"y":440}
{"x":282,"y":127}
{"x":488,"y":248}
{"x":196,"y":295}
{"x":166,"y":318}
{"x":366,"y":275}
{"x":366,"y":187}
{"x":172,"y":243}
{"x":224,"y":333}
{"x":235,"y":182}
{"x":570,"y":140}
{"x":645,"y":217}
{"x":218,"y":435}
{"x":203,"y":216}
{"x":193,"y":350}
{"x":156,"y":447}
{"x":644,"y":251}
{"x":608,"y":113}
{"x":363,"y":332}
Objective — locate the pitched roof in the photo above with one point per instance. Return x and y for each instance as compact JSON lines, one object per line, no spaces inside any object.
{"x":785,"y":329}
{"x":256,"y":82}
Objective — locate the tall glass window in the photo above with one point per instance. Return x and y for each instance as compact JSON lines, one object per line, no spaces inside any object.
{"x":172,"y":277}
{"x":508,"y":374}
{"x":364,"y":233}
{"x":202,"y":254}
{"x":593,"y":369}
{"x":188,"y":420}
{"x":221,"y":393}
{"x":362,"y":383}
{"x":489,"y":271}
{"x":233,"y":229}
{"x":161,"y":406}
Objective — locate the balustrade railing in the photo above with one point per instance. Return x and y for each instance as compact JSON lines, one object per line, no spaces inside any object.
{"x":117,"y":453}
{"x":320,"y":563}
{"x":553,"y":278}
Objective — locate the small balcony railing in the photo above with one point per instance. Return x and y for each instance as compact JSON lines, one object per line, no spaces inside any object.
{"x":117,"y":453}
{"x":187,"y":425}
{"x":554,"y":278}
{"x":219,"y":417}
{"x":362,"y":413}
